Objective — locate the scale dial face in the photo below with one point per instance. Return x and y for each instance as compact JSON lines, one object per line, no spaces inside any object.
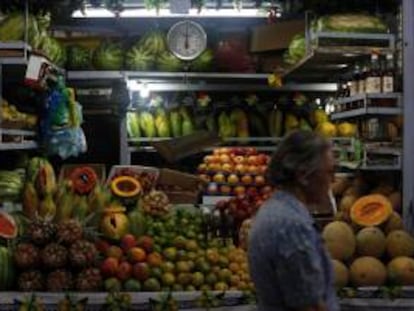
{"x":187,"y":40}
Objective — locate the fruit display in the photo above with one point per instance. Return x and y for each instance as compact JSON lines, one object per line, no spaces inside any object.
{"x":12,"y":118}
{"x":108,"y":56}
{"x":173,"y":254}
{"x":369,"y":245}
{"x":234,"y":171}
{"x":136,"y":180}
{"x":56,"y":258}
{"x":160,"y":123}
{"x":11,"y":185}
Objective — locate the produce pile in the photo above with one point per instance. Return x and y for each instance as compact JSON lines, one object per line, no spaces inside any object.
{"x":12,"y":28}
{"x":13,"y":118}
{"x":234,"y":171}
{"x":78,"y":234}
{"x":160,"y":122}
{"x":243,"y":121}
{"x":348,"y":23}
{"x":148,"y":53}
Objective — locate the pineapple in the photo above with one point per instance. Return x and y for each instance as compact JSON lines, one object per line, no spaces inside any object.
{"x":26,"y":256}
{"x":31,"y":281}
{"x":59,"y":281}
{"x":89,"y":280}
{"x":83,"y":254}
{"x":41,"y":232}
{"x":54,"y":256}
{"x":69,"y":231}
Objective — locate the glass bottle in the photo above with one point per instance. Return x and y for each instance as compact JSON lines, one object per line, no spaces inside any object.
{"x":373,"y":78}
{"x":388,"y":74}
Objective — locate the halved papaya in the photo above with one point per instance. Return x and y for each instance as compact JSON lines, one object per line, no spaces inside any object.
{"x":371,"y":210}
{"x":126,"y":187}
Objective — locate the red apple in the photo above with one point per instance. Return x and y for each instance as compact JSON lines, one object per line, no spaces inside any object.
{"x":146,"y":243}
{"x":109,"y":267}
{"x":128,"y":242}
{"x":102,"y":246}
{"x":124,"y":271}
{"x":141,"y":271}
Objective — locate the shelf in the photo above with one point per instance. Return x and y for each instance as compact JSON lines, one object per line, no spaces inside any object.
{"x":361,"y":97}
{"x":325,"y":59}
{"x":14,"y":53}
{"x":385,"y":111}
{"x":358,"y":166}
{"x":17,"y":132}
{"x":197,"y":81}
{"x":18,"y":146}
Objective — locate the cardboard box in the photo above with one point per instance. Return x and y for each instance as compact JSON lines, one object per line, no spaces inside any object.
{"x":275,"y":36}
{"x":181,"y":188}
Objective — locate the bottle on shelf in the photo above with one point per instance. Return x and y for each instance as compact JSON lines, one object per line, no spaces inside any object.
{"x":354,"y":83}
{"x":373,"y":77}
{"x":362,"y":78}
{"x":388,"y":74}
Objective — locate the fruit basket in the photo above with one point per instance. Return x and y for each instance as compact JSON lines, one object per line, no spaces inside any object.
{"x":68,"y":169}
{"x":146,"y":176}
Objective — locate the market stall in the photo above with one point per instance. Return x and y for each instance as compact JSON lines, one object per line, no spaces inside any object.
{"x":135,"y":137}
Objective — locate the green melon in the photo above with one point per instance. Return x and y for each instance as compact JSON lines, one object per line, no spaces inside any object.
{"x":400,"y":243}
{"x":370,"y":242}
{"x":339,"y":240}
{"x":367,"y":271}
{"x":341,"y":274}
{"x":401,"y":271}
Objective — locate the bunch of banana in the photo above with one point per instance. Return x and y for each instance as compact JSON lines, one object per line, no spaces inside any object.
{"x":33,"y":303}
{"x":10,"y":113}
{"x":70,"y":304}
{"x":11,"y":185}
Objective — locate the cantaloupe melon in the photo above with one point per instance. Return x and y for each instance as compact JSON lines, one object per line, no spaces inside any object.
{"x":340,"y":184}
{"x":345,"y":205}
{"x":401,"y":271}
{"x":400,"y":243}
{"x":371,"y":210}
{"x":370,"y":242}
{"x":339,"y":240}
{"x":394,"y":223}
{"x":367,"y":271}
{"x":383,"y":189}
{"x":341,"y":274}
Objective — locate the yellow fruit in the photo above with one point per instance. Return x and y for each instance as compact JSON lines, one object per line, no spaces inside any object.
{"x":401,"y":271}
{"x":339,"y":240}
{"x":341,"y":274}
{"x":326,"y":129}
{"x":320,"y":116}
{"x":346,"y":129}
{"x":368,"y":271}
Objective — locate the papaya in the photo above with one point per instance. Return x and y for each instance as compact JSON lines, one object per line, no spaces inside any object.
{"x":47,"y":207}
{"x":147,"y":124}
{"x":30,"y":201}
{"x":176,"y":123}
{"x":46,"y":179}
{"x":371,"y":210}
{"x":8,"y":227}
{"x":162,"y":123}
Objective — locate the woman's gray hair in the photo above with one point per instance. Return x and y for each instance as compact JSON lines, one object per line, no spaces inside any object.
{"x":300,"y":153}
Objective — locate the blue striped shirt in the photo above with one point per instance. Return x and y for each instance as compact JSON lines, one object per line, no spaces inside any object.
{"x":288,"y":262}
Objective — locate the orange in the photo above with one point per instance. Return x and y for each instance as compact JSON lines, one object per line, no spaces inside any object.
{"x":234,"y":280}
{"x":137,"y":254}
{"x":154,"y":260}
{"x":234,"y":267}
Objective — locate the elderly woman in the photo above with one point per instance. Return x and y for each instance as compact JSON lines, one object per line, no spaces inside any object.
{"x":288,"y":263}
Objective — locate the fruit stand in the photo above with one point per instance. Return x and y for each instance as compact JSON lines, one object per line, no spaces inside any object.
{"x":165,"y":226}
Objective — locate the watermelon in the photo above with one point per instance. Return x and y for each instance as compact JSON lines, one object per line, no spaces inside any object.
{"x":6,"y":269}
{"x":8,"y":228}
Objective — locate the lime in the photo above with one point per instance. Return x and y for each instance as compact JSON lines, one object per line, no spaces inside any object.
{"x":170,"y":253}
{"x":167,"y":266}
{"x":168,"y":279}
{"x":198,"y":279}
